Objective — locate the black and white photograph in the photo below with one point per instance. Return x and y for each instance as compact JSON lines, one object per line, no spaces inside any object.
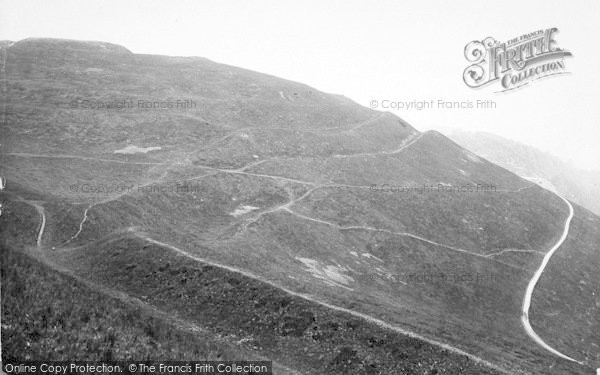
{"x":306,"y":188}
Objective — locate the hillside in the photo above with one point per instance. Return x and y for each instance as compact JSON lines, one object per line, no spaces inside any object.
{"x":213,"y":315}
{"x":580,"y":186}
{"x":259,"y":189}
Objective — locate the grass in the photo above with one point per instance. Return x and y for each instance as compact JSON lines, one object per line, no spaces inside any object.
{"x":282,"y":327}
{"x":49,"y":316}
{"x":244,"y":117}
{"x":52,"y":316}
{"x":567,"y":298}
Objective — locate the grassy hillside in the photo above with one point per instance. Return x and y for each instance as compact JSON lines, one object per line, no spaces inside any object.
{"x":49,"y":315}
{"x":580,"y":186}
{"x":167,"y":307}
{"x":567,"y":300}
{"x":301,"y":189}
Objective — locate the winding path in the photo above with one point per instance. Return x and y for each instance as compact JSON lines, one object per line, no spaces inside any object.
{"x":40,"y":209}
{"x":170,"y":318}
{"x":533,"y":282}
{"x":85,"y":217}
{"x":287,"y":207}
{"x":311,"y":298}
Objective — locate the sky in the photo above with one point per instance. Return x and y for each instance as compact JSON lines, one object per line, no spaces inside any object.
{"x":384,"y":51}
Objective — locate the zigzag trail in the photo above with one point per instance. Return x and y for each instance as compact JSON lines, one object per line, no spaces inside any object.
{"x":286,"y":207}
{"x":315,"y":186}
{"x":240,"y":170}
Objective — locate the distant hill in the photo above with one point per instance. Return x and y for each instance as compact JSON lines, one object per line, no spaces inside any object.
{"x":257,"y":207}
{"x":579,"y":185}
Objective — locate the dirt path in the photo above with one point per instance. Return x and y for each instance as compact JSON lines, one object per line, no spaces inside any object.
{"x":369,"y":318}
{"x":40,"y":210}
{"x":533,"y":282}
{"x":39,"y":253}
{"x":58,"y":156}
{"x":85,"y":217}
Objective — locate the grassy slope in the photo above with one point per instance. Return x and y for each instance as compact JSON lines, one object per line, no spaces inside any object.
{"x":578,"y":185}
{"x":306,"y":129}
{"x":286,"y":328}
{"x":227,"y":98}
{"x":49,"y":315}
{"x":147,"y":272}
{"x":567,"y":299}
{"x":488,"y":309}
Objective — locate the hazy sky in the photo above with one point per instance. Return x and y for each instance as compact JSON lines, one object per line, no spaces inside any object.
{"x":365,"y":50}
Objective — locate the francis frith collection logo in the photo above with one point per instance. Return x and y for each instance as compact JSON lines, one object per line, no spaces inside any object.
{"x":515,"y":63}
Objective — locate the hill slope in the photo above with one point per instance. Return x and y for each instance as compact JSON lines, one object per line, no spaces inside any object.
{"x":579,"y":185}
{"x":300,"y":189}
